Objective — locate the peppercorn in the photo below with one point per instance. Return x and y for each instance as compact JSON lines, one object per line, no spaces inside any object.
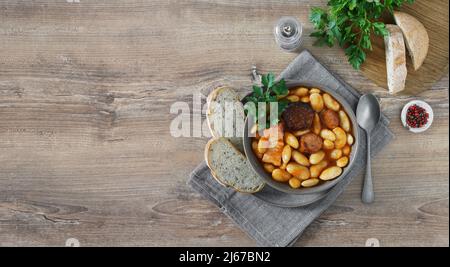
{"x":417,"y":116}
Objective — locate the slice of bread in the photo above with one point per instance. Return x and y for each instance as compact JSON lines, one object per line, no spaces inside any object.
{"x":416,"y":37}
{"x":222,"y":120}
{"x":395,"y":59}
{"x":230,"y":168}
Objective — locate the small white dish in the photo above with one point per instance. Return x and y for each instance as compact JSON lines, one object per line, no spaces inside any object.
{"x":421,"y":104}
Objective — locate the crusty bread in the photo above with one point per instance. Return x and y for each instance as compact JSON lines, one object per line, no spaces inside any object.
{"x":395,"y":59}
{"x":230,"y":168}
{"x":416,"y":37}
{"x":217,"y":101}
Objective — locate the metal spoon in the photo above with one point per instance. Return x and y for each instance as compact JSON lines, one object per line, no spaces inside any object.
{"x":368,"y":114}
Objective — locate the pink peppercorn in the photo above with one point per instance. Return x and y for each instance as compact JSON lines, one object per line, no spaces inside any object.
{"x":416,"y":117}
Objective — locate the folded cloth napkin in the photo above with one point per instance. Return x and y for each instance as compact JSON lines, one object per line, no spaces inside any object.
{"x":274,"y":226}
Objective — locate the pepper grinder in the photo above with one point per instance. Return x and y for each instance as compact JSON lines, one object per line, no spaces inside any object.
{"x":288,"y":34}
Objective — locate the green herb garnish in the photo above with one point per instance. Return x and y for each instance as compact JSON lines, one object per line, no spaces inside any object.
{"x":270,"y":92}
{"x":350,"y":23}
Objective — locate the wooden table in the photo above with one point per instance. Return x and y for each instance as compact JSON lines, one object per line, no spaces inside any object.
{"x":85,"y":150}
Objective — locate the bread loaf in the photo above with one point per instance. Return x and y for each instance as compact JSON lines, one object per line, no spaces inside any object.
{"x":416,"y":37}
{"x":395,"y":59}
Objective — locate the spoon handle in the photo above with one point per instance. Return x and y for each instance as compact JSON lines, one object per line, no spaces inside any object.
{"x":367,"y":192}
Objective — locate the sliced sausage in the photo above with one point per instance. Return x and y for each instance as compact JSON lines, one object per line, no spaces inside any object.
{"x":330,"y":118}
{"x":310,"y":143}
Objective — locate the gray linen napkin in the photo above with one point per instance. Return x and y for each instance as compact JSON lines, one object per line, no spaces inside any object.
{"x":275,"y":226}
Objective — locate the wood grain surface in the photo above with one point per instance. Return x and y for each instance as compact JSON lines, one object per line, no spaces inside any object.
{"x":85,"y":148}
{"x":434,"y":15}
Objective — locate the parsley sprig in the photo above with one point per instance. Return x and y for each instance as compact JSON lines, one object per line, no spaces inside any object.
{"x":350,"y":23}
{"x":270,"y":91}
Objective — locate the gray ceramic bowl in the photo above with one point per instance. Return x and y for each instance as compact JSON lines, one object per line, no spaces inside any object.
{"x":284,"y":187}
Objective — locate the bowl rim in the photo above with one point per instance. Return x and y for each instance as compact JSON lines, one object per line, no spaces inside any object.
{"x":283,"y":187}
